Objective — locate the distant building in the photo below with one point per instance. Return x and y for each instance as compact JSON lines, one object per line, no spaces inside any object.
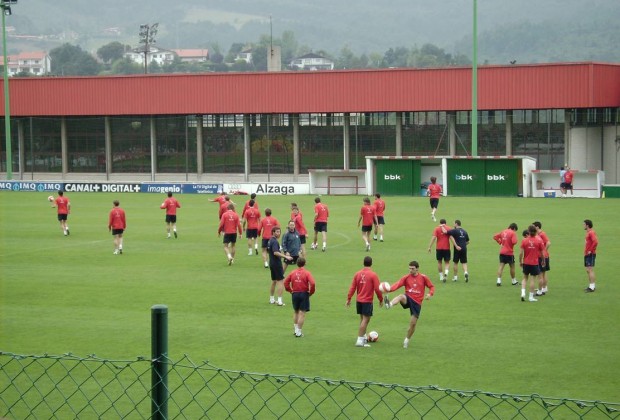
{"x":193,"y":55}
{"x":155,"y":55}
{"x":311,"y":61}
{"x":37,"y":63}
{"x":245,"y":55}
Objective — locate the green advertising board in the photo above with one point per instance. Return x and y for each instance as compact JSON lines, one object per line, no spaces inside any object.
{"x":483,"y":177}
{"x":397,"y":177}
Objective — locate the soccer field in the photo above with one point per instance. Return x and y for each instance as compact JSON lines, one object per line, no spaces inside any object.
{"x":70,"y":294}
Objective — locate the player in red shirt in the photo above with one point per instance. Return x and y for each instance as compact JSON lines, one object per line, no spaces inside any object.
{"x":230,"y":225}
{"x":543,"y":279}
{"x":366,"y":284}
{"x":589,"y":254}
{"x":171,"y":205}
{"x":300,"y":227}
{"x":63,"y":207}
{"x":434,"y":192}
{"x":415,"y":284}
{"x":251,"y":223}
{"x":532,"y":250}
{"x":247,"y":203}
{"x":507,"y":239}
{"x":224,"y":206}
{"x":568,"y":180}
{"x":368,"y":217}
{"x":442,"y":249}
{"x":117,"y":223}
{"x":301,"y":285}
{"x":379,"y":205}
{"x":267,"y":223}
{"x":321,"y":214}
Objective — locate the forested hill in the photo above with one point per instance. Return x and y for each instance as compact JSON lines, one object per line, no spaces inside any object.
{"x":521,"y":30}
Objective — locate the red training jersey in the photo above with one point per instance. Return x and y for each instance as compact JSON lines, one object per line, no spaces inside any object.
{"x":368,"y":214}
{"x":507,"y":238}
{"x":434,"y":190}
{"x":266,"y":224}
{"x":321,"y":212}
{"x":366,"y":284}
{"x":591,"y":242}
{"x":415,"y":286}
{"x":568,"y":177}
{"x":543,"y":236}
{"x":62,"y":204}
{"x":224,"y":207}
{"x":117,"y":219}
{"x":171,"y":205}
{"x":299,"y":224}
{"x":229,"y":223}
{"x":300,"y":280}
{"x":531,"y":250}
{"x":252,"y":218}
{"x":443,"y":239}
{"x":379,"y":205}
{"x":247,"y":205}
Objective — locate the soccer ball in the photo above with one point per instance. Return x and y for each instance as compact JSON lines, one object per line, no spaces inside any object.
{"x":50,"y":198}
{"x":384,"y":287}
{"x":373,"y":336}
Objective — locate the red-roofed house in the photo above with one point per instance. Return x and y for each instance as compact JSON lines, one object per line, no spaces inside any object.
{"x":37,"y":63}
{"x":199,"y":55}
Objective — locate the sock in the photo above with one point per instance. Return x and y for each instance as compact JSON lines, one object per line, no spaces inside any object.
{"x":324,"y":244}
{"x":229,"y":257}
{"x":255,"y":246}
{"x":447,"y":272}
{"x":522,"y":292}
{"x":499,"y":280}
{"x":455,"y":278}
{"x":514,"y":281}
{"x":271,"y":299}
{"x":531,"y":295}
{"x":406,"y":340}
{"x":440,"y":276}
{"x":592,"y":286}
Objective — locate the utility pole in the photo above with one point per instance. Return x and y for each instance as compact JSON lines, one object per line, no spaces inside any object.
{"x":147,"y":37}
{"x":5,"y":5}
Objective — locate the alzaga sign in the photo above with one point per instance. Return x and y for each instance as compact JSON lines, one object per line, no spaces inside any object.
{"x":268,"y":188}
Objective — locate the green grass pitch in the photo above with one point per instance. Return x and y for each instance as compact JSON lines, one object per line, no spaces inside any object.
{"x":70,"y":294}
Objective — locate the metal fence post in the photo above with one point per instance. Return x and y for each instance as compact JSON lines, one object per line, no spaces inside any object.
{"x":159,"y":359}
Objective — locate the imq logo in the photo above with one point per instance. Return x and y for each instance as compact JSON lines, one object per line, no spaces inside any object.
{"x":390,"y":177}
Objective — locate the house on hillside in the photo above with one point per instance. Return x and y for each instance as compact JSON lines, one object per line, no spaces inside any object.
{"x":200,"y":55}
{"x":37,"y":63}
{"x":311,"y":61}
{"x":155,"y":54}
{"x":245,"y":55}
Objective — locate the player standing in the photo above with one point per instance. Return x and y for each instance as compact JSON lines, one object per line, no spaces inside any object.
{"x":171,"y":205}
{"x":507,"y":238}
{"x":380,"y":211}
{"x":543,"y":279}
{"x":368,"y":217}
{"x":247,"y":203}
{"x":415,"y":284}
{"x":275,"y":266}
{"x":265,"y":228}
{"x":251,"y":223}
{"x":300,"y":227}
{"x":366,"y":284}
{"x":301,"y":285}
{"x":532,"y":250}
{"x":568,"y":180}
{"x":459,"y":239}
{"x":291,"y":244}
{"x":434,"y":192}
{"x":117,"y":223}
{"x":230,"y":225}
{"x":442,"y":249}
{"x":589,"y":258}
{"x":321,"y":214}
{"x":63,"y":207}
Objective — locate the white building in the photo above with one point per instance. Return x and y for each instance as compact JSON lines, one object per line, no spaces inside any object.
{"x":311,"y":61}
{"x":154,"y":55}
{"x":37,"y":63}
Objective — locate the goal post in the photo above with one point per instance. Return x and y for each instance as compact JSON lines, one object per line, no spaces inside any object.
{"x":342,"y":185}
{"x":337,"y":182}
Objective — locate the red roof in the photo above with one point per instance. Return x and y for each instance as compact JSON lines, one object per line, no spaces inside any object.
{"x":542,"y":86}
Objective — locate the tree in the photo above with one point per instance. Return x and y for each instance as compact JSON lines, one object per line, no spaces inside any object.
{"x":126,"y":66}
{"x":111,"y":52}
{"x":70,"y":60}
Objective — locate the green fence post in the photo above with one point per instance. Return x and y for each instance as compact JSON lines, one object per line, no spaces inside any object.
{"x":159,"y":359}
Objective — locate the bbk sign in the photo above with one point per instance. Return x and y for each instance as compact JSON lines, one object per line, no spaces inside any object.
{"x":464,"y":177}
{"x":496,"y":178}
{"x":391,"y":177}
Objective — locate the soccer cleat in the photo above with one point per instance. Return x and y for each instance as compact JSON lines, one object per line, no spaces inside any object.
{"x":64,"y":233}
{"x":272,"y":302}
{"x":434,"y":219}
{"x":313,"y":246}
{"x":323,"y":249}
{"x":455,"y":279}
{"x":589,"y":290}
{"x":522,"y":298}
{"x":299,"y":334}
{"x":514,"y":283}
{"x":405,"y":344}
{"x":256,"y":250}
{"x":250,"y":252}
{"x":381,"y":239}
{"x":499,"y":283}
{"x":168,"y":237}
{"x":386,"y":302}
{"x":175,"y":234}
{"x":120,"y":251}
{"x":539,"y":293}
{"x":367,"y":247}
{"x":281,"y":304}
{"x":374,"y":237}
{"x":532,"y":299}
{"x":68,"y":233}
{"x":230,"y":261}
{"x":115,"y":252}
{"x":358,"y":344}
{"x":466,"y":277}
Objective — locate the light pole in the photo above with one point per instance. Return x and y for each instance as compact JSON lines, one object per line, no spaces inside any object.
{"x":5,"y":5}
{"x":147,"y":37}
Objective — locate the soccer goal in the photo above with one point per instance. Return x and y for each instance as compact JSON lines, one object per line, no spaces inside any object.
{"x":337,"y":182}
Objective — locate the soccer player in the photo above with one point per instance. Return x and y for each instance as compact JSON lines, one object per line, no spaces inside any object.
{"x":507,"y":238}
{"x":434,"y":192}
{"x":230,"y":225}
{"x":117,"y":224}
{"x":247,"y":203}
{"x":415,"y":284}
{"x":563,"y":181}
{"x":301,"y":285}
{"x":219,"y":200}
{"x":380,"y":210}
{"x":265,"y":228}
{"x":300,"y":227}
{"x":321,"y":214}
{"x":171,"y":205}
{"x":589,"y":258}
{"x":543,"y":279}
{"x":442,"y":249}
{"x":251,"y":223}
{"x":291,"y":244}
{"x":224,"y":205}
{"x":532,"y":250}
{"x":275,"y":266}
{"x":568,"y":181}
{"x":368,"y":217}
{"x":366,"y":284}
{"x":459,"y":240}
{"x":63,"y":207}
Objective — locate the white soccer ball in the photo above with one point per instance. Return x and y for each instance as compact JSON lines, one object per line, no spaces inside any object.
{"x":384,"y":287}
{"x":373,"y":336}
{"x":50,"y":198}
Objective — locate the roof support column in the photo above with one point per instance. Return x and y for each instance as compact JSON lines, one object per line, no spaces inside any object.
{"x":509,"y":120}
{"x":451,"y":115}
{"x":63,"y":146}
{"x":20,"y":146}
{"x":345,"y":140}
{"x":295,"y":119}
{"x":153,"y":147}
{"x":199,"y":147}
{"x":247,"y":148}
{"x":108,"y":146}
{"x":399,"y":134}
{"x":568,"y":116}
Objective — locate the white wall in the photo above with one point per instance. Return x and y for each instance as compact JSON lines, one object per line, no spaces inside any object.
{"x":585,"y":154}
{"x":611,"y":154}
